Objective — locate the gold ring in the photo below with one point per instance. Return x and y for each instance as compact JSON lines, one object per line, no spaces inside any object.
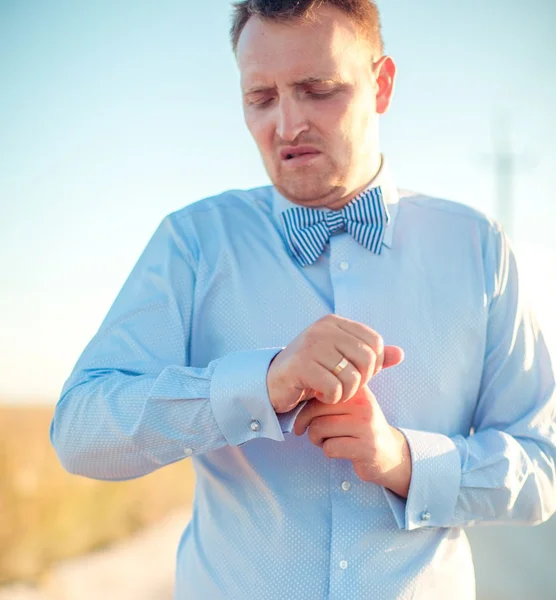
{"x":340,"y":366}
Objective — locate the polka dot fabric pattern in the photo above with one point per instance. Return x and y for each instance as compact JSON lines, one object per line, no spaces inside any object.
{"x":178,"y":369}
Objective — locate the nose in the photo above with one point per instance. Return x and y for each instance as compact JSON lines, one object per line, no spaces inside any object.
{"x":291,"y":120}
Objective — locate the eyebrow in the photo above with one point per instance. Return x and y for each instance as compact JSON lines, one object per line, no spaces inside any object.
{"x":300,"y":83}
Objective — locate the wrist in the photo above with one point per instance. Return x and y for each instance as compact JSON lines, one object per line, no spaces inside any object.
{"x":282,"y":399}
{"x":398,"y":477}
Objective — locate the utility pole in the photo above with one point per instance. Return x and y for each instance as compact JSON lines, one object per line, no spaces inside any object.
{"x":505,"y":164}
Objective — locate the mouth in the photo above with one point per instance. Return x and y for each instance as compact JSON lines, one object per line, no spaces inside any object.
{"x":298,"y":156}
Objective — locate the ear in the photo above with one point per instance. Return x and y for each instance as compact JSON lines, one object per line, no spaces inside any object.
{"x":385,"y":74}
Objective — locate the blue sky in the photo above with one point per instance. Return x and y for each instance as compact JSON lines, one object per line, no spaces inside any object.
{"x":113,"y":114}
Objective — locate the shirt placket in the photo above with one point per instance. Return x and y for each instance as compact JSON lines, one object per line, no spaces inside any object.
{"x":342,"y":478}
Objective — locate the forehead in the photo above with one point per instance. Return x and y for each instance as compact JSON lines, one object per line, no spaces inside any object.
{"x":325,"y":46}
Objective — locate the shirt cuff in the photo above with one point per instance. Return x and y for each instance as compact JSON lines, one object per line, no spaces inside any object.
{"x":435,"y":482}
{"x":239,"y":397}
{"x":287,"y":420}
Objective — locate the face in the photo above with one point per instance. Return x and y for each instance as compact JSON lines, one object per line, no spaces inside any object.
{"x":312,"y":96}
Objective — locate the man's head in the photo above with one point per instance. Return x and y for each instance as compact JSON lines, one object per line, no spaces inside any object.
{"x":314,"y":81}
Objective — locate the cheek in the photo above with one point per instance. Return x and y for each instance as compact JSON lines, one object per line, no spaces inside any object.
{"x":356,"y":134}
{"x":260,"y":128}
{"x":356,"y":112}
{"x":339,"y":122}
{"x":332,"y":116}
{"x":364,"y":115}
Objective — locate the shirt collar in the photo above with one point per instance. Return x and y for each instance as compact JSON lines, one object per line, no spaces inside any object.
{"x":383,"y":179}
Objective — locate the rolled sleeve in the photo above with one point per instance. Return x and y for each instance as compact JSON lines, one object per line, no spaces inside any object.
{"x":435,"y":482}
{"x":239,"y":397}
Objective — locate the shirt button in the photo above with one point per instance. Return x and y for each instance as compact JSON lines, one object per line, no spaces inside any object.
{"x":425,"y":515}
{"x":343,"y":564}
{"x":346,"y":485}
{"x":255,"y":425}
{"x":188,"y":451}
{"x":344,"y":265}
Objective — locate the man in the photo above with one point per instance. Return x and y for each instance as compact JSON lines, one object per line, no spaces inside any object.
{"x":352,"y":369}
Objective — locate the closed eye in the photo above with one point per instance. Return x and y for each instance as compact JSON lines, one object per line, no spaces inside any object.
{"x":320,"y":95}
{"x":260,"y":102}
{"x":263,"y":103}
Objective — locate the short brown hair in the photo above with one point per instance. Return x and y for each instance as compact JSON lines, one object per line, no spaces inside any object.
{"x":363,"y":12}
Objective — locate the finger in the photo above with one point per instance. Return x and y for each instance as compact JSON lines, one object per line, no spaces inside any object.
{"x":348,"y":448}
{"x":342,"y":344}
{"x":349,"y":377}
{"x":314,"y":409}
{"x":306,"y":415}
{"x":386,"y":357}
{"x":331,"y":426}
{"x":365,"y":398}
{"x":326,"y":387}
{"x":393,"y":355}
{"x":335,"y":345}
{"x":369,"y":337}
{"x":361,"y":359}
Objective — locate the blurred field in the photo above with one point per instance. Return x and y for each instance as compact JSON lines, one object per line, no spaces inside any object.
{"x":47,"y":515}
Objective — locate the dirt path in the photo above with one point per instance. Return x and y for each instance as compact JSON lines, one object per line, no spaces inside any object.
{"x":139,"y":568}
{"x":512,"y":563}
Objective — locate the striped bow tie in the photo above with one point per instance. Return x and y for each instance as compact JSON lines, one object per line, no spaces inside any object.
{"x":308,"y":230}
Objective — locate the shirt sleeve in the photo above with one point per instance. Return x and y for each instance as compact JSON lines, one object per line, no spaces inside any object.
{"x":132,"y":404}
{"x":505,"y":471}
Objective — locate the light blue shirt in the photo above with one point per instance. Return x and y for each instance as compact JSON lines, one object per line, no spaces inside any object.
{"x":178,"y":368}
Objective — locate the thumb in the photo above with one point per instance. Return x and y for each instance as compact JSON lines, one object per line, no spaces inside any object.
{"x":393,"y":355}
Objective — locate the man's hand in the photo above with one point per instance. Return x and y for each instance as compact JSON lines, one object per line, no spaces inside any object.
{"x":358,"y":431}
{"x":304,"y":368}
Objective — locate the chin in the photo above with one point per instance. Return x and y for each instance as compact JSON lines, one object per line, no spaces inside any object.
{"x":312,"y":191}
{"x":303,"y":194}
